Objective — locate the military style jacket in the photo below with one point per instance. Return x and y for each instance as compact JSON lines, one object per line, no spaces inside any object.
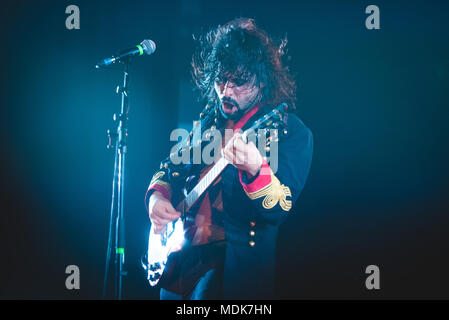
{"x":253,"y":209}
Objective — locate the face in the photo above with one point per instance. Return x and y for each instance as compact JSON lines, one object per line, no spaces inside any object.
{"x":237,"y":96}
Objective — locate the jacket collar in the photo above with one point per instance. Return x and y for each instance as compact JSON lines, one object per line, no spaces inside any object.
{"x":246,"y":117}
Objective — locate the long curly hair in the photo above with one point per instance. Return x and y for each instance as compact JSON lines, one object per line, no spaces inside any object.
{"x":239,"y":50}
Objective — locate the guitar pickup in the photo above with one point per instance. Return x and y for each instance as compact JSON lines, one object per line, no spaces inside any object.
{"x":155,"y":266}
{"x":155,"y":276}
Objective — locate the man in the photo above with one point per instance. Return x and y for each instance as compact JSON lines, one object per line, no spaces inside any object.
{"x":240,"y":74}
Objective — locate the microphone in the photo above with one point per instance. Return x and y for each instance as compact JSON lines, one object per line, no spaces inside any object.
{"x":146,"y":46}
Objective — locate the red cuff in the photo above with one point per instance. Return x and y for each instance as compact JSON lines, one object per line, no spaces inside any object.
{"x":157,"y":187}
{"x":262,"y":180}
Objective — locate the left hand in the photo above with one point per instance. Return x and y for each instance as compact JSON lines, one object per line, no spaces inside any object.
{"x":244,"y":156}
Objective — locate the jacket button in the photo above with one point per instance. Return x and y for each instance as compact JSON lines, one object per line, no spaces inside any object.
{"x":252,"y":243}
{"x":252,"y":223}
{"x":252,"y":233}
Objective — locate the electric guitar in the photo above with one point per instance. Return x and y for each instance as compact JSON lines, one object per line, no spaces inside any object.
{"x":162,"y":246}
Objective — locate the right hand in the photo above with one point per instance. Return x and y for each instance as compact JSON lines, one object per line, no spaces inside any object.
{"x":161,"y":211}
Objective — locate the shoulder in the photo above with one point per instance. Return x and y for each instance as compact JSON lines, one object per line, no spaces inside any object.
{"x":297,"y":129}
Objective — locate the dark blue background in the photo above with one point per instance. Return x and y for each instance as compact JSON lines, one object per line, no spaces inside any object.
{"x":375,"y":100}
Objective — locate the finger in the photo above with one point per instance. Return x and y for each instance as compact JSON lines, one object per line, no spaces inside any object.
{"x":168,"y":210}
{"x":240,"y":158}
{"x":239,"y":144}
{"x":167,"y":206}
{"x":237,"y":135}
{"x":157,"y":220}
{"x":158,"y":230}
{"x":228,"y":149}
{"x":234,"y":142}
{"x":160,"y":214}
{"x":229,"y":155}
{"x":162,"y":221}
{"x":165,"y":217}
{"x":172,"y":212}
{"x":241,"y":153}
{"x":156,"y":224}
{"x":157,"y":227}
{"x":230,"y":142}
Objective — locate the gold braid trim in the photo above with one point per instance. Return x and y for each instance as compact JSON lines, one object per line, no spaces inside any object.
{"x":156,"y":176}
{"x":274,"y":192}
{"x":156,"y":180}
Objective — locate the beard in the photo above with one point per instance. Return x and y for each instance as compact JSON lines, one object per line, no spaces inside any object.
{"x":230,"y":109}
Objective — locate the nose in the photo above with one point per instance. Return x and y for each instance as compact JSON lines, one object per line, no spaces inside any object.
{"x":227,"y":90}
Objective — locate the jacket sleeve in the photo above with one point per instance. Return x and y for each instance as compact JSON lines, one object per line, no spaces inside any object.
{"x":273,"y":194}
{"x":160,"y":182}
{"x":166,"y":180}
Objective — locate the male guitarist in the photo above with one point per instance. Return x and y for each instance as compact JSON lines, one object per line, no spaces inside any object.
{"x":240,"y":73}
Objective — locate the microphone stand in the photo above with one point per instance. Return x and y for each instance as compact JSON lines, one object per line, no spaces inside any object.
{"x":117,"y":219}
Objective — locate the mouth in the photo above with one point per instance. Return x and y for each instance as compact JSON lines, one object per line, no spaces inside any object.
{"x":229,"y":108}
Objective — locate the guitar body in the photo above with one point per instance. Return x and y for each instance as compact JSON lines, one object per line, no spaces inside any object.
{"x":165,"y":249}
{"x":161,"y":246}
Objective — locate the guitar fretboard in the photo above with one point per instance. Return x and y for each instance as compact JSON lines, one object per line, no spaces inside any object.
{"x":205,"y":182}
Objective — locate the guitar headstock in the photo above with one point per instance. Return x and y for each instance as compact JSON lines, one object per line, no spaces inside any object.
{"x":274,"y":122}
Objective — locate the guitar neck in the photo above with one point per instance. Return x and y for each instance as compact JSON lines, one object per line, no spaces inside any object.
{"x":205,"y":182}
